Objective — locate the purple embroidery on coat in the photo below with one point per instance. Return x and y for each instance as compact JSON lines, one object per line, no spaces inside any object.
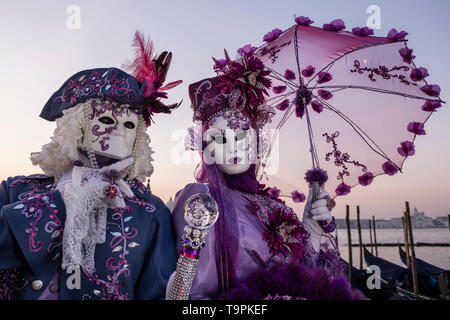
{"x":32,"y":206}
{"x":111,"y":287}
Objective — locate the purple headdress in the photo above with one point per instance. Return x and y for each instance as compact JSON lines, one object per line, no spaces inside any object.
{"x":237,"y":92}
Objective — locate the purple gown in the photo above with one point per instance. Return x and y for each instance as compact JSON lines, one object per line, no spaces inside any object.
{"x":253,"y":250}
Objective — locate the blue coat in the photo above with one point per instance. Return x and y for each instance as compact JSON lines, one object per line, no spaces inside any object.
{"x":135,"y":262}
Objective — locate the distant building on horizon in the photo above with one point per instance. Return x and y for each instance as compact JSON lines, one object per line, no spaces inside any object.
{"x":418,"y":220}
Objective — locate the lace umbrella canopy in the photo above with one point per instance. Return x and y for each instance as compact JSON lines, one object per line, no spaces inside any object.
{"x":353,"y":101}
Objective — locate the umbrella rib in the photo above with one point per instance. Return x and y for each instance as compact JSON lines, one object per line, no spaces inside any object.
{"x":279,"y":97}
{"x":280,"y":77}
{"x":358,"y":130}
{"x":286,"y":116}
{"x":297,"y":57}
{"x":371,"y":89}
{"x":327,"y":69}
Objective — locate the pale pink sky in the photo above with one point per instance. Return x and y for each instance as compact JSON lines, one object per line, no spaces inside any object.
{"x":39,"y":53}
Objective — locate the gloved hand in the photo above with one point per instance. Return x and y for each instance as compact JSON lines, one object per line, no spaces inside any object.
{"x":314,"y":212}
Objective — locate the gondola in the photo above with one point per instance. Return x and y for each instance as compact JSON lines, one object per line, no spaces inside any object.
{"x":387,"y":291}
{"x":423,"y":266}
{"x":402,"y":277}
{"x":436,"y":277}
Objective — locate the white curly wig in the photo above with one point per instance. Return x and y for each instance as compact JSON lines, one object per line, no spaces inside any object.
{"x":58,"y":156}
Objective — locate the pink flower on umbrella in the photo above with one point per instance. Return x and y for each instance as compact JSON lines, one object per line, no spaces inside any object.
{"x":283,"y":105}
{"x":274,"y":192}
{"x":323,"y":77}
{"x":432,"y":90}
{"x":419,"y":74}
{"x":316,"y":175}
{"x":393,"y":35}
{"x":431,"y":106}
{"x":362,"y":32}
{"x":325,"y":94}
{"x":246,"y":50}
{"x":366,"y":179}
{"x":389,"y":168}
{"x":335,"y":25}
{"x":406,"y":149}
{"x":279,"y":89}
{"x":416,"y":128}
{"x":297,"y":196}
{"x":272,"y":35}
{"x":289,"y":74}
{"x":406,"y":54}
{"x":303,"y":21}
{"x":308,"y":71}
{"x":342,"y":189}
{"x":317,"y":106}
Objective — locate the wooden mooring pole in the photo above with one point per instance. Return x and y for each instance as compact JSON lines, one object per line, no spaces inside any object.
{"x":413,"y":253}
{"x":375,"y":235}
{"x":405,"y":234}
{"x":360,"y":239}
{"x":349,"y":243}
{"x":370,"y":232}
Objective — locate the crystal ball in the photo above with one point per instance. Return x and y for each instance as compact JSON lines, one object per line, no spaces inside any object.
{"x":200,"y":211}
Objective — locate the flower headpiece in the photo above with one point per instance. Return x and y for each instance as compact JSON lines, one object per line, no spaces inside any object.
{"x":142,"y":90}
{"x":238,"y":93}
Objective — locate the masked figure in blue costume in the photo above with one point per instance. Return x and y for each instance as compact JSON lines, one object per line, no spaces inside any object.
{"x":89,"y":228}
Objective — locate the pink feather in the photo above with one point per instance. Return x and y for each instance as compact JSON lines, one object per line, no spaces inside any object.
{"x":170,"y":85}
{"x":143,"y":65}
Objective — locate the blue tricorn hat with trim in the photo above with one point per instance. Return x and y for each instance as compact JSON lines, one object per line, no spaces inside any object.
{"x":143,"y":90}
{"x":103,"y":83}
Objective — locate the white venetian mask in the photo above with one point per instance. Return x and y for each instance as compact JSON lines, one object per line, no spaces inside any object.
{"x":233,"y":150}
{"x":113,"y":129}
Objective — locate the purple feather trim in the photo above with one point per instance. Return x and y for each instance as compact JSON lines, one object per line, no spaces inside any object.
{"x":294,"y":281}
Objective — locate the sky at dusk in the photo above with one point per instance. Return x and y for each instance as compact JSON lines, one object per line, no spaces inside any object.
{"x":39,"y":52}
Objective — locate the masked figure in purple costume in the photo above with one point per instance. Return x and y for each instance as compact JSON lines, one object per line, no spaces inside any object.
{"x":89,"y":228}
{"x":258,"y":248}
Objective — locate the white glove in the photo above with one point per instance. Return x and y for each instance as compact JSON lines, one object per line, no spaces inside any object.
{"x":314,"y":212}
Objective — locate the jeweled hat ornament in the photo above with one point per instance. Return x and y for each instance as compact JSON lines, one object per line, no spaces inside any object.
{"x":237,"y":93}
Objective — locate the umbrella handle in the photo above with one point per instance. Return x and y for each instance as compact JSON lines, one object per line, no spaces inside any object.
{"x":315,"y":191}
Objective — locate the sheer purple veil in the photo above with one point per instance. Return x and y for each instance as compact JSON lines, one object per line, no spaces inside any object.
{"x":227,"y":235}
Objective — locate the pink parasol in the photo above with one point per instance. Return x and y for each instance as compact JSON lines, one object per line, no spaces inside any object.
{"x":357,"y":101}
